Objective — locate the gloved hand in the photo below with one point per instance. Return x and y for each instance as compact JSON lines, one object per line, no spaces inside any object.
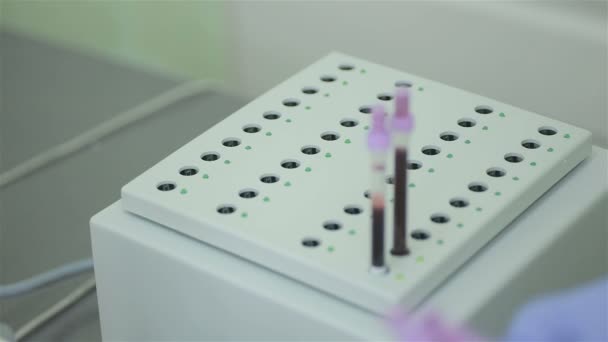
{"x":408,"y":328}
{"x":580,"y":314}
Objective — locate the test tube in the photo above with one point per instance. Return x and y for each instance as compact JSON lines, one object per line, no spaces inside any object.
{"x":378,"y":143}
{"x":402,"y":126}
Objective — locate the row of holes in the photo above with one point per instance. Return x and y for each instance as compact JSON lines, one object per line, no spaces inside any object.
{"x":292,"y":102}
{"x":249,"y":193}
{"x":417,"y":234}
{"x":312,"y":150}
{"x":464,"y":122}
{"x":429,"y":150}
{"x":332,"y":225}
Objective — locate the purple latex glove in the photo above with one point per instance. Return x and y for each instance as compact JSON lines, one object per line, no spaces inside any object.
{"x":580,"y":314}
{"x":429,"y":328}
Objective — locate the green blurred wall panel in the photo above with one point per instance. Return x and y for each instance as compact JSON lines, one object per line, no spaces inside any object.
{"x":186,"y":38}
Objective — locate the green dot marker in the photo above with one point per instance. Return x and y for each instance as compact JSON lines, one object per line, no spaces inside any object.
{"x":307,"y":107}
{"x":399,"y":276}
{"x":288,"y":120}
{"x":268,"y":134}
{"x":266,"y":199}
{"x":478,"y":209}
{"x":205,"y":176}
{"x":347,"y":141}
{"x":533,"y":164}
{"x":567,"y":136}
{"x":412,"y":185}
{"x":501,"y":114}
{"x":467,"y":141}
{"x":288,"y":183}
{"x":365,"y":127}
{"x":344,"y":83}
{"x":420,"y":259}
{"x":460,"y":225}
{"x":420,"y":89}
{"x":440,"y":242}
{"x":515,"y":178}
{"x":248,"y":147}
{"x":326,"y":94}
{"x":485,"y":128}
{"x":330,"y":249}
{"x":363,"y":71}
{"x":352,"y":232}
{"x":244,"y":215}
{"x":226,"y":161}
{"x":327,"y":155}
{"x":550,"y":149}
{"x":450,"y":155}
{"x":431,"y":170}
{"x":183,"y":191}
{"x":308,"y":169}
{"x":497,"y":193}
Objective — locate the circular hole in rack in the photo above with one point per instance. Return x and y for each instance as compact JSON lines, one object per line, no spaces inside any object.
{"x":290,"y":164}
{"x":414,"y":165}
{"x":210,"y":156}
{"x":291,"y":102}
{"x":390,"y":180}
{"x":466,"y":122}
{"x":166,"y":186}
{"x":269,"y":178}
{"x":332,"y":225}
{"x":478,"y":187}
{"x":420,"y":234}
{"x":459,"y":202}
{"x":353,"y":210}
{"x":188,"y":171}
{"x":449,"y":136}
{"x":252,"y":128}
{"x":547,"y":130}
{"x":403,"y":84}
{"x":349,"y":122}
{"x":431,"y":150}
{"x":311,"y":242}
{"x":226,"y":209}
{"x":330,"y":136}
{"x":310,"y":90}
{"x":484,"y":109}
{"x":248,"y":193}
{"x":328,"y":78}
{"x":514,"y":157}
{"x":272,"y":115}
{"x":530,"y":144}
{"x":310,"y":150}
{"x":367,"y":194}
{"x":346,"y":67}
{"x":440,"y":218}
{"x":231,"y":142}
{"x":385,"y":97}
{"x":496,"y":172}
{"x":365,"y":109}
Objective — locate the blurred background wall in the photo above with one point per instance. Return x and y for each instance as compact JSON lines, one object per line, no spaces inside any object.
{"x":185,"y":38}
{"x":544,"y":56}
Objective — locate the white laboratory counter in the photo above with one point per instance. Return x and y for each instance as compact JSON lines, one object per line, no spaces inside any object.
{"x":154,"y":283}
